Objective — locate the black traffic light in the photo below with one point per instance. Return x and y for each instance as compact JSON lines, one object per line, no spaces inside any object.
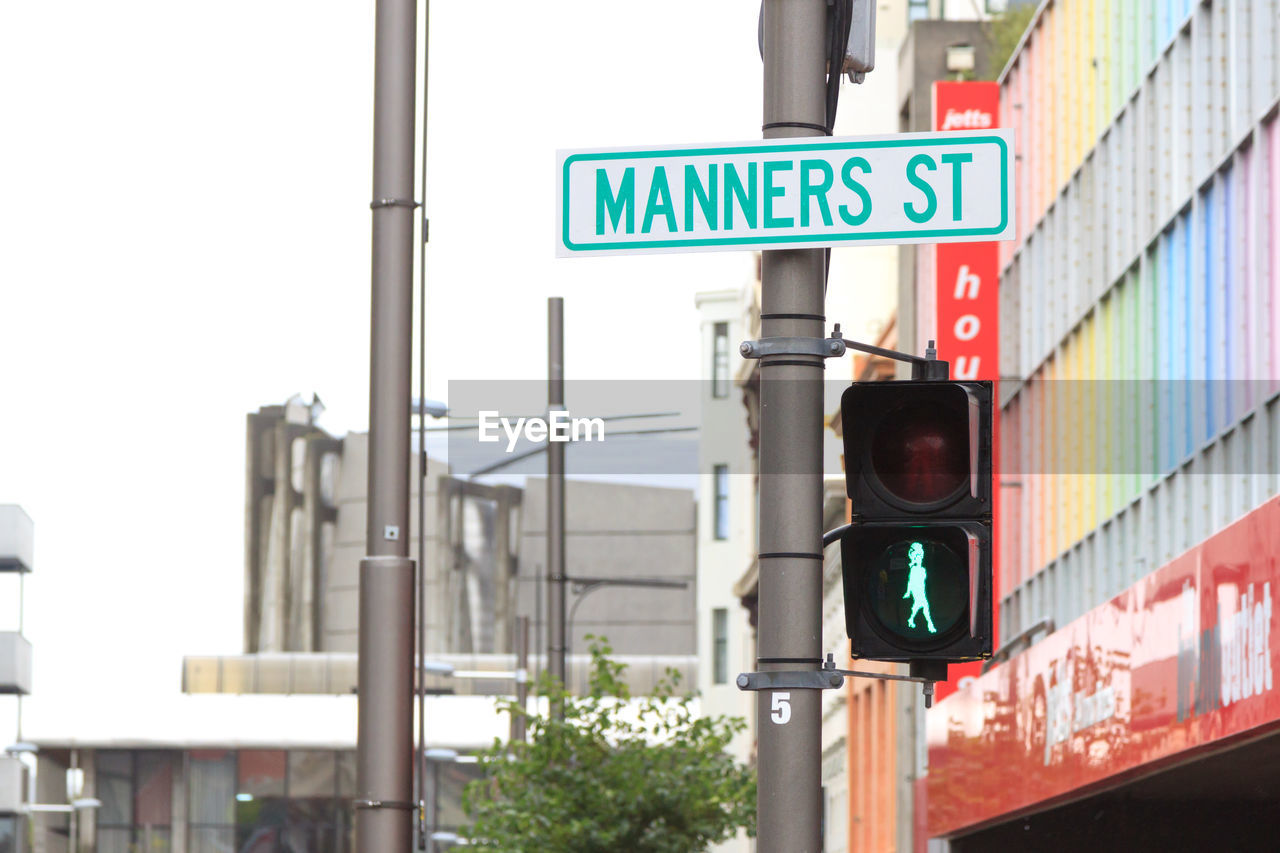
{"x":917,"y":557}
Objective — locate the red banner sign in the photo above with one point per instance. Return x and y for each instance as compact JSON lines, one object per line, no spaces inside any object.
{"x":967,"y":275}
{"x":965,"y":278}
{"x":1182,"y":660}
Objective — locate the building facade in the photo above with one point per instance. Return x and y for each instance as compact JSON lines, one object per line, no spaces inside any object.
{"x":257,"y":751}
{"x":726,"y":519}
{"x":1140,"y":350}
{"x":17,"y":558}
{"x":484,"y":550}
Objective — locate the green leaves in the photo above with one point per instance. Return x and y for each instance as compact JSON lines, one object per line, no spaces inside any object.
{"x":647,"y":776}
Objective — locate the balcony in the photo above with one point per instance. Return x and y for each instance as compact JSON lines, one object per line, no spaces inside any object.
{"x":15,"y":663}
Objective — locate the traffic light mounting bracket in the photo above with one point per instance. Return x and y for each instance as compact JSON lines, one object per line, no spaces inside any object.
{"x":830,"y":678}
{"x":927,"y":367}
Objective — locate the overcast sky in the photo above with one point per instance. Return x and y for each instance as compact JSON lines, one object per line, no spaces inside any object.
{"x":184,"y":237}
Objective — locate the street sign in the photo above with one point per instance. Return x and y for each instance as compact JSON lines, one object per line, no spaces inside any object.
{"x":786,"y":194}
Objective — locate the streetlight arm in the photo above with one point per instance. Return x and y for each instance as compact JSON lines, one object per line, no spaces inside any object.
{"x":584,"y":586}
{"x":637,"y":582}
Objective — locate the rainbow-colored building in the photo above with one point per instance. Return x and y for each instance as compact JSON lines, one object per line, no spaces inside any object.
{"x":1146,"y":274}
{"x":1140,"y":421}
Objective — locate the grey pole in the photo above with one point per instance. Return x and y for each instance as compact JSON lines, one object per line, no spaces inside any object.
{"x":384,"y":747}
{"x":555,"y":496}
{"x":420,"y":575}
{"x":518,"y":726}
{"x":789,"y":808}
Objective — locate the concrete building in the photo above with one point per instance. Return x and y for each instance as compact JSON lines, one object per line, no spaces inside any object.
{"x":1136,"y":703}
{"x":485,"y":550}
{"x":257,"y":750}
{"x":726,"y":519}
{"x":17,"y":558}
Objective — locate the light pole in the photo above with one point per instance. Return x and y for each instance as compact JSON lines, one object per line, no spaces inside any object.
{"x":555,"y":499}
{"x":789,"y":744}
{"x":384,"y":742}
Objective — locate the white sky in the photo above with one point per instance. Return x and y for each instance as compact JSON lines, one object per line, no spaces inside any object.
{"x":184,"y":237}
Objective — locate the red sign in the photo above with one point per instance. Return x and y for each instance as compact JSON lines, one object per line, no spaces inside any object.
{"x":964,"y":285}
{"x":1182,"y":660}
{"x":967,"y":274}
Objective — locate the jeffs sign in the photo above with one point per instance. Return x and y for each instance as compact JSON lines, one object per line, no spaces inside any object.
{"x":786,"y":194}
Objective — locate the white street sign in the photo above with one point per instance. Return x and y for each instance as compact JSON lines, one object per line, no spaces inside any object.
{"x":786,"y":194}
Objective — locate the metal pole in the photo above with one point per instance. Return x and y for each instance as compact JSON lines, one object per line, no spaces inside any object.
{"x":73,"y":834}
{"x":384,"y":750}
{"x":789,"y":809}
{"x":435,"y":805}
{"x":555,"y":497}
{"x":419,"y":679}
{"x":522,"y":676}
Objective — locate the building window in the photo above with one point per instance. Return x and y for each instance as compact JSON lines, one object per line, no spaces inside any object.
{"x":721,"y":478}
{"x":8,"y":834}
{"x":720,"y":646}
{"x":261,"y":807}
{"x":270,"y":800}
{"x":136,"y":790}
{"x":720,"y":361}
{"x":917,"y":10}
{"x":211,"y":797}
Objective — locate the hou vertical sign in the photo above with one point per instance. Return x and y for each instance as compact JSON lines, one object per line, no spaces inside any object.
{"x":967,"y":310}
{"x":965,"y":298}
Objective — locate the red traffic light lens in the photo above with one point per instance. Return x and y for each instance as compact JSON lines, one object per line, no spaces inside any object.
{"x":920,"y":455}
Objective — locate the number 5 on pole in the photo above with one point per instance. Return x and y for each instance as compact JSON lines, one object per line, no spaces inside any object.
{"x":781,"y":707}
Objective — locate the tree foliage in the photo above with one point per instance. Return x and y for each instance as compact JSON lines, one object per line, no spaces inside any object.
{"x":649,"y":777}
{"x":1004,"y":31}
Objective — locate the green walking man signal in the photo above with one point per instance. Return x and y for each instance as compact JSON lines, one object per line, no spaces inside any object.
{"x":915,"y":587}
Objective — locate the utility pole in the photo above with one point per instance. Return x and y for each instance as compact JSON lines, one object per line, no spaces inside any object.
{"x":518,"y":722}
{"x":555,"y":498}
{"x":789,"y":810}
{"x":384,"y":750}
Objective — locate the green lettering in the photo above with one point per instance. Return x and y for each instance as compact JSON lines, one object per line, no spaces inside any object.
{"x":955,"y":161}
{"x":659,"y":202}
{"x":625,"y":200}
{"x":846,"y":175}
{"x":771,"y":192}
{"x":706,"y":197}
{"x":931,"y":198}
{"x":807,"y":168}
{"x":746,"y":196}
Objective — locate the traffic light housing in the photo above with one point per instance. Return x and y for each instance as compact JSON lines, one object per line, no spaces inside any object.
{"x":917,"y":556}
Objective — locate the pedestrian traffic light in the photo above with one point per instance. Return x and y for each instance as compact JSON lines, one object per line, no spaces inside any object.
{"x":917,"y":556}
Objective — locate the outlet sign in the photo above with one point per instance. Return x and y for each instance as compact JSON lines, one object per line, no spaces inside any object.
{"x":786,"y":194}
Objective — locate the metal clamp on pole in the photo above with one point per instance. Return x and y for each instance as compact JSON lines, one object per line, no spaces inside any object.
{"x":927,"y":368}
{"x":394,"y":202}
{"x":822,"y":347}
{"x":830,"y":666}
{"x":384,"y":804}
{"x":806,"y":679}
